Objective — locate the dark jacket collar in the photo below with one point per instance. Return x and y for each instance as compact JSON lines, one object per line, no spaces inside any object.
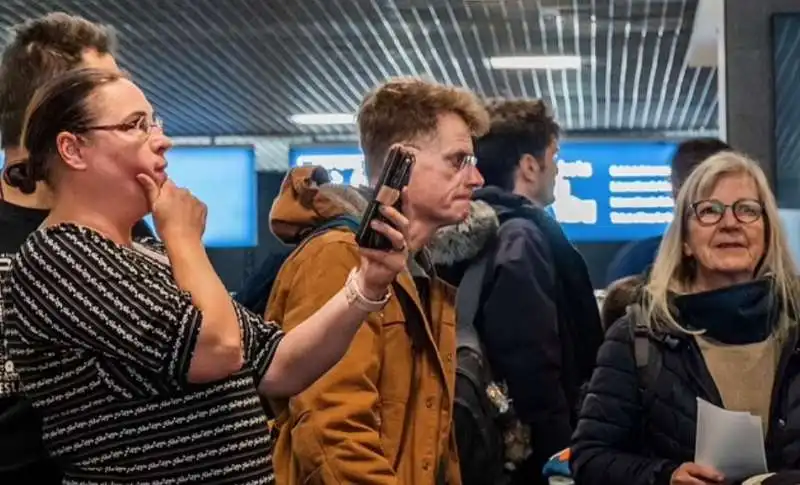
{"x":501,"y":199}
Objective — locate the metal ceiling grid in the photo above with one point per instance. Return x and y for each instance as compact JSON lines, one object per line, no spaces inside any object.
{"x":242,"y":67}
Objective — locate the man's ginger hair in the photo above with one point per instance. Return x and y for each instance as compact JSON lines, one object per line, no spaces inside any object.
{"x":401,"y":110}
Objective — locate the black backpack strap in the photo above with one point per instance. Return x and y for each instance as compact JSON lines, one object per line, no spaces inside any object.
{"x":468,"y":300}
{"x":256,"y":289}
{"x":647,"y":353}
{"x":347,"y":222}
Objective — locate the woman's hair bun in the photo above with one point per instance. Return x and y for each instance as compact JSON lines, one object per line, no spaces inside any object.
{"x":21,"y":176}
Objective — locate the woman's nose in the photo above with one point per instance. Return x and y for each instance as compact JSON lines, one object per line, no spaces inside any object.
{"x":728,"y":218}
{"x":160,"y":142}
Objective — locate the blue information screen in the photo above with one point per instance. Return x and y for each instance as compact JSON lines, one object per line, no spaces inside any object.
{"x":345,"y":163}
{"x":613,"y":191}
{"x":225,"y":179}
{"x":605,"y":191}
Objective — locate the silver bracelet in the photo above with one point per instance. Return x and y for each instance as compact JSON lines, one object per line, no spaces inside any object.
{"x":357,"y":299}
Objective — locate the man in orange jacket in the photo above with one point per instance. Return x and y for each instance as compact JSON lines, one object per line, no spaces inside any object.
{"x":382,"y":415}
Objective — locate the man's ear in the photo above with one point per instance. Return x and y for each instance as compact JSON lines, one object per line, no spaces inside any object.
{"x":529,"y":167}
{"x":69,"y":149}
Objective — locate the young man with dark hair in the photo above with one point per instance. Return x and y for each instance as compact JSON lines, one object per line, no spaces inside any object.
{"x":382,"y":415}
{"x":39,"y":50}
{"x":636,"y":257}
{"x":538,"y":319}
{"x":518,"y":154}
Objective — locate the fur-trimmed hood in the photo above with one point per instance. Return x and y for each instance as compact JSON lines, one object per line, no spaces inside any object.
{"x":307,"y":199}
{"x":461,"y":242}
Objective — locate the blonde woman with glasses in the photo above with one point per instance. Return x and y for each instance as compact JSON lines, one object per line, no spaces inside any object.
{"x":719,"y":315}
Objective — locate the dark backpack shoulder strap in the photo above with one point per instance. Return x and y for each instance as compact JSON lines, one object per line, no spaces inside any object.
{"x":468,"y":300}
{"x":640,"y":335}
{"x":647,"y":352}
{"x":255,"y":291}
{"x":341,"y":222}
{"x":347,"y":222}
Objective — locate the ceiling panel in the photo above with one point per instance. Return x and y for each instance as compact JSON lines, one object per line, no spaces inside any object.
{"x":242,"y":67}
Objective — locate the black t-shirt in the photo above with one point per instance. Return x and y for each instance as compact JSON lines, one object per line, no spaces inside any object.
{"x":23,"y":459}
{"x":17,"y":223}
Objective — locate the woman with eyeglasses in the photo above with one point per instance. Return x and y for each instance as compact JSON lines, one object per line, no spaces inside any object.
{"x":143,"y":368}
{"x":717,"y":321}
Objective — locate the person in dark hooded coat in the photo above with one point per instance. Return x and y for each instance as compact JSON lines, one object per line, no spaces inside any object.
{"x":538,"y":319}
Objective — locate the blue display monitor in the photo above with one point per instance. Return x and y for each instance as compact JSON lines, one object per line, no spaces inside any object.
{"x":345,"y":163}
{"x":225,"y":179}
{"x":605,"y":191}
{"x":614,"y":191}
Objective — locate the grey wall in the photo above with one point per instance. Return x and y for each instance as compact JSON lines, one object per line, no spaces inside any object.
{"x":786,"y":60}
{"x":749,"y":79}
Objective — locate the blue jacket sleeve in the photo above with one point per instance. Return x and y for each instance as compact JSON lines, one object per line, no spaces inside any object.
{"x":634,"y":258}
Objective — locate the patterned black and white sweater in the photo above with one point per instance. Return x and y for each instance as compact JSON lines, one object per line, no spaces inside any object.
{"x":102,"y":338}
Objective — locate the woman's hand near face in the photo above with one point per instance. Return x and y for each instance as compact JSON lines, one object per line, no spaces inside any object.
{"x":180,"y":220}
{"x":178,"y":215}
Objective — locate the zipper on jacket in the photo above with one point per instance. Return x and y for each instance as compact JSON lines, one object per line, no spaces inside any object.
{"x":702,"y":376}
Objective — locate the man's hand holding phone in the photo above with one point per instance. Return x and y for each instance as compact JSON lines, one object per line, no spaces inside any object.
{"x":388,"y":192}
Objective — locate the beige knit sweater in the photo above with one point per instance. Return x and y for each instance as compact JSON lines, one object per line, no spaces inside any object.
{"x":744,"y":374}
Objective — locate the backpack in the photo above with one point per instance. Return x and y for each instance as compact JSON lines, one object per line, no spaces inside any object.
{"x":478,"y":402}
{"x":257,"y":288}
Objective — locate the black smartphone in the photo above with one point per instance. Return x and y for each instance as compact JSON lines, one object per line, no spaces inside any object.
{"x":394,"y":177}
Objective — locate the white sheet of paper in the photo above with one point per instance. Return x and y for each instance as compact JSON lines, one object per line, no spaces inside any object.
{"x":732,"y":442}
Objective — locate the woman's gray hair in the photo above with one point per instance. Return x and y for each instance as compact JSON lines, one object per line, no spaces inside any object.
{"x":672,"y":272}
